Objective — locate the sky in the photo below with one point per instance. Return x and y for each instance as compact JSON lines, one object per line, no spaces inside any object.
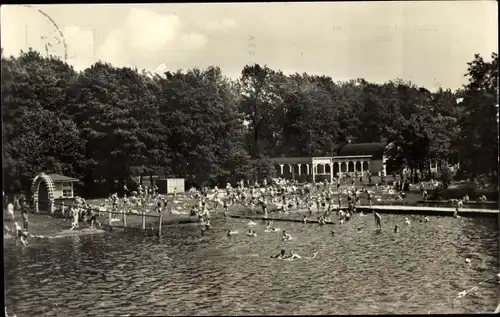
{"x":428,"y":43}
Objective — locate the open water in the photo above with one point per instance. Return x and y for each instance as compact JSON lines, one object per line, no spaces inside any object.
{"x":421,"y":269}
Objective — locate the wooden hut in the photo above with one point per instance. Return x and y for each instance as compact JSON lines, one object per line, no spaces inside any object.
{"x":49,"y":188}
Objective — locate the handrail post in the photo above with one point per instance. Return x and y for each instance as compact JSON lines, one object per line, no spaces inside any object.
{"x":109,"y":218}
{"x":159,"y":225}
{"x":143,"y":221}
{"x":124,"y":220}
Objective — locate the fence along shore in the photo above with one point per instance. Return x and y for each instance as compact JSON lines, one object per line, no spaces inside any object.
{"x":129,"y":221}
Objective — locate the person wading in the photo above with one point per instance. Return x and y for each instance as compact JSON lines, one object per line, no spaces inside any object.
{"x":24,"y":212}
{"x":378,"y":221}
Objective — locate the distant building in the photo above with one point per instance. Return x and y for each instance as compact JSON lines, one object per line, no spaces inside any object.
{"x":353,"y":159}
{"x":435,"y":167}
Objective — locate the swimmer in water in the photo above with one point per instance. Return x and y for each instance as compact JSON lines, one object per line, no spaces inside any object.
{"x":407,"y":221}
{"x":426,"y":219}
{"x":378,"y":220}
{"x":396,"y":229}
{"x":230,"y":233}
{"x":293,"y":256}
{"x":21,"y":234}
{"x":332,"y":233}
{"x":305,"y":219}
{"x":286,"y":236}
{"x":315,"y":254}
{"x":251,"y":233}
{"x":280,"y":255}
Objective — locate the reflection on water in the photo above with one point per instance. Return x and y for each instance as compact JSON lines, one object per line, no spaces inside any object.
{"x":421,"y":269}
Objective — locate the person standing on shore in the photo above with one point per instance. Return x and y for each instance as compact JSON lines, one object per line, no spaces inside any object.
{"x":74,"y":216}
{"x":17,"y":204}
{"x":10,"y":211}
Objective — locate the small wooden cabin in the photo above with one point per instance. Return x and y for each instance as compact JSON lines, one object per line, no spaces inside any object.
{"x":167,"y":185}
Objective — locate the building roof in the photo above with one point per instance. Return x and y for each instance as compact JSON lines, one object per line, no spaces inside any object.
{"x":290,"y":160}
{"x":374,"y":149}
{"x":62,"y":178}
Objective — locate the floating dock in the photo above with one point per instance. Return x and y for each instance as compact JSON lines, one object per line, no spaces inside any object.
{"x":487,"y":202}
{"x":278,"y":219}
{"x":388,"y":209}
{"x":429,"y":210}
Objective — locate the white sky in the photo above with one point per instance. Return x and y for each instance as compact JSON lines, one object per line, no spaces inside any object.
{"x":428,"y":42}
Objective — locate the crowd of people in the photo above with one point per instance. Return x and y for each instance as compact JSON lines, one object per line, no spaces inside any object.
{"x":281,"y":196}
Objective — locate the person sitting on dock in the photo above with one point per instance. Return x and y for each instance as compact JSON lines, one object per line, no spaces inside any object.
{"x":378,"y":220}
{"x":466,"y":198}
{"x":460,"y":203}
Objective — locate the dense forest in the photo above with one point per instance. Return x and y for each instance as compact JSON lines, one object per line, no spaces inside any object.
{"x":108,"y":124}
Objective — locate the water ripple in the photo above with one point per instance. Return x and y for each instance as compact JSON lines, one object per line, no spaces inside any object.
{"x":421,"y":269}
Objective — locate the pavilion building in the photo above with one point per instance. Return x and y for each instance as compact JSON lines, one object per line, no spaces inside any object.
{"x":353,"y":159}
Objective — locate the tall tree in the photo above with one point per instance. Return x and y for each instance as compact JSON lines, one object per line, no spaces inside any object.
{"x":479,"y":135}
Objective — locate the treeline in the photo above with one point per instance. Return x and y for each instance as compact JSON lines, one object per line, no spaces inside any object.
{"x":108,"y":123}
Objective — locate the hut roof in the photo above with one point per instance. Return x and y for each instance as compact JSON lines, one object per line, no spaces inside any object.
{"x":374,"y":149}
{"x":62,"y":178}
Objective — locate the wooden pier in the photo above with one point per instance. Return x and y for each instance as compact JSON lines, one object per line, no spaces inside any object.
{"x":429,"y":210}
{"x":387,"y":209}
{"x":470,"y":204}
{"x":278,"y":219}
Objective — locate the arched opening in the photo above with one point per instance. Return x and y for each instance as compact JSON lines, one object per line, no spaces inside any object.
{"x":358,"y":166}
{"x":350,"y":167}
{"x":278,"y":169}
{"x":320,"y":169}
{"x":43,"y":197}
{"x":303,"y":169}
{"x":43,"y":193}
{"x":336,"y":168}
{"x":365,"y":167}
{"x":327,"y":168}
